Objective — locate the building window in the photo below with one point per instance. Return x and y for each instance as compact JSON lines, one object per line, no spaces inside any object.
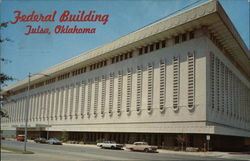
{"x":157,"y":46}
{"x":96,"y":95}
{"x":176,"y":39}
{"x":37,"y":106}
{"x":66,"y":102}
{"x":217,"y":84}
{"x":43,"y":108}
{"x":103,"y":94}
{"x":40,"y":107}
{"x":71,"y":100}
{"x":191,"y":35}
{"x":184,"y":37}
{"x":57,"y":102}
{"x":83,"y":88}
{"x":126,"y":56}
{"x":111,"y":93}
{"x":121,"y":57}
{"x":152,"y":47}
{"x":113,"y":60}
{"x":21,"y":109}
{"x":77,"y":90}
{"x":236,"y":105}
{"x":24,"y":107}
{"x":212,"y":80}
{"x":18,"y":112}
{"x":89,"y":96}
{"x":31,"y":108}
{"x":146,"y":49}
{"x":140,"y":51}
{"x":150,"y":87}
{"x":162,"y":85}
{"x":48,"y":104}
{"x":117,"y":59}
{"x":163,"y":43}
{"x":52,"y":104}
{"x":222,"y":83}
{"x":230,"y":94}
{"x":119,"y":99}
{"x":61,"y":103}
{"x":130,"y":54}
{"x":129,"y":89}
{"x":139,"y":89}
{"x":234,"y":95}
{"x":176,"y":81}
{"x":191,"y":80}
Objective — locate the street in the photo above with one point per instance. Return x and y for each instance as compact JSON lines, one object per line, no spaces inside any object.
{"x":67,"y":152}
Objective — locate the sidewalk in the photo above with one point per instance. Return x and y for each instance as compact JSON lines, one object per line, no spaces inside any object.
{"x":5,"y":151}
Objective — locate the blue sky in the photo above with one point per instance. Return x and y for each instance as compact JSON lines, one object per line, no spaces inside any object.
{"x":37,"y":52}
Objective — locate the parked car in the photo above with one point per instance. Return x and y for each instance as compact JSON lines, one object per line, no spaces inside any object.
{"x":20,"y":138}
{"x":40,"y":140}
{"x":110,"y":145}
{"x":143,"y":146}
{"x":54,"y":141}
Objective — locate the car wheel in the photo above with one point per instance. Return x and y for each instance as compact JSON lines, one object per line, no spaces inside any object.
{"x":131,"y":149}
{"x":146,"y":150}
{"x":112,"y":147}
{"x":101,"y":147}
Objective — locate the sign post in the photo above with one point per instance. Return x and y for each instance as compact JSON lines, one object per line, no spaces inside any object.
{"x":208,"y":139}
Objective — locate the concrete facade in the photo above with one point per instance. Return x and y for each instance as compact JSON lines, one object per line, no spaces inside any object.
{"x":177,"y":76}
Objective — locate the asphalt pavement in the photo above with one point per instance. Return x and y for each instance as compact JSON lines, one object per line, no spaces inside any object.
{"x":75,"y":152}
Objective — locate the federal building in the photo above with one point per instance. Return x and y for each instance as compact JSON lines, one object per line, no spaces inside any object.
{"x":187,"y":75}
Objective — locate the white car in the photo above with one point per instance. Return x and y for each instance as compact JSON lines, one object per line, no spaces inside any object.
{"x":110,"y":145}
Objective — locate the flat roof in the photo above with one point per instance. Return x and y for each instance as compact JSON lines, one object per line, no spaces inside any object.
{"x":210,"y":14}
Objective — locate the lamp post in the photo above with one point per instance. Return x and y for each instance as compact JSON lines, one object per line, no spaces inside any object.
{"x":27,"y":109}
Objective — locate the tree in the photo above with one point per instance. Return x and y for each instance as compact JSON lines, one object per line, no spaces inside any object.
{"x":4,"y":77}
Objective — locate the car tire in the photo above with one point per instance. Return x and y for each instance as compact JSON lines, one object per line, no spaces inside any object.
{"x":101,"y":147}
{"x":112,"y":147}
{"x":146,"y":150}
{"x":131,"y":149}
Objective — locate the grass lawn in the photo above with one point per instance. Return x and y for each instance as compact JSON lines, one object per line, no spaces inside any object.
{"x":16,"y":150}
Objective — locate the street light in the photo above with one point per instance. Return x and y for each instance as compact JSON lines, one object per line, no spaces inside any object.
{"x":27,"y":107}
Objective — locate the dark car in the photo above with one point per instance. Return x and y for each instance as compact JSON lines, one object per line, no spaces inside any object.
{"x":40,"y":140}
{"x":54,"y":141}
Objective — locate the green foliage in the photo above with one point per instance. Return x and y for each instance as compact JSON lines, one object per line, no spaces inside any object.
{"x":3,"y":77}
